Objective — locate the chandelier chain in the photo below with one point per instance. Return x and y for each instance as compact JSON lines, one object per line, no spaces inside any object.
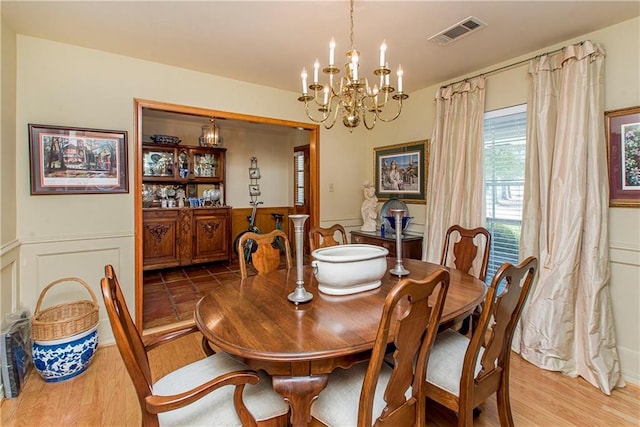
{"x":351,"y":16}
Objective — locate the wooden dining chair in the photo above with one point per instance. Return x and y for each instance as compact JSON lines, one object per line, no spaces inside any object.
{"x":326,"y":236}
{"x":266,"y":258}
{"x":390,"y":395}
{"x":464,"y":372}
{"x":460,"y":251}
{"x":216,"y":390}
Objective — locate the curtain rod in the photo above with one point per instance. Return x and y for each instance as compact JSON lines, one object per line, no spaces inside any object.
{"x":515,"y":64}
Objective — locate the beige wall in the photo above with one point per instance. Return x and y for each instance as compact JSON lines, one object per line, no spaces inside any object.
{"x":76,"y":235}
{"x":9,"y":246}
{"x":8,"y":135}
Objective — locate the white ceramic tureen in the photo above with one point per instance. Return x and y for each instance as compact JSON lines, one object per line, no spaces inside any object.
{"x":347,"y":269}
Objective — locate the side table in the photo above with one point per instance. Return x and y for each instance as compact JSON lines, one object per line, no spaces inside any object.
{"x":411,"y":243}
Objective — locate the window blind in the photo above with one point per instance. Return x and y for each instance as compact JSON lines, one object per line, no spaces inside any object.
{"x":504,"y":157}
{"x":299,"y":178}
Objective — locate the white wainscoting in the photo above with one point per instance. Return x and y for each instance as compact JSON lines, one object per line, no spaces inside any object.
{"x":42,"y":262}
{"x":9,"y":263}
{"x":9,"y":299}
{"x":625,"y":297}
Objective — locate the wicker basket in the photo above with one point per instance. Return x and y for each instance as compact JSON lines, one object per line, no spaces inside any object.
{"x":64,"y":320}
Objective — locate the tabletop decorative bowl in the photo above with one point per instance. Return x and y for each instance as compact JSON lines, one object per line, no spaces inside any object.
{"x":348,"y":269}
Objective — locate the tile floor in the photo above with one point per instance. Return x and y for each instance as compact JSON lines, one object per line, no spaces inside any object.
{"x":170,"y":295}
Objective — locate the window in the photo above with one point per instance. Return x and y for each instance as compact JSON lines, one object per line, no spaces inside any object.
{"x":504,"y":162}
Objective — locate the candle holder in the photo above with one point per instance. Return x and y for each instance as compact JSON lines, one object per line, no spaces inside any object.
{"x":399,"y":269}
{"x":300,"y":295}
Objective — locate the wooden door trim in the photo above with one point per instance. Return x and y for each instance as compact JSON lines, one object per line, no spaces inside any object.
{"x":139,"y":104}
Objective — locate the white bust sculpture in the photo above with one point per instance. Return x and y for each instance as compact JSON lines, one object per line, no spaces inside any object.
{"x":369,"y":208}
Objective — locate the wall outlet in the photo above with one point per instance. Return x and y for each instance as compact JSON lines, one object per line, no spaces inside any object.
{"x":330,"y":188}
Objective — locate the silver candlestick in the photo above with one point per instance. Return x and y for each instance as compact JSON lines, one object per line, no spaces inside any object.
{"x":399,"y":269}
{"x":300,"y":294}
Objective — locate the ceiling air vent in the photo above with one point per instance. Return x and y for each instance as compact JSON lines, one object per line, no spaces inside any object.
{"x":457,"y":31}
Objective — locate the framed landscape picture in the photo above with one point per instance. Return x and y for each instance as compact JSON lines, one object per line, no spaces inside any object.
{"x":623,"y":145}
{"x":69,"y":160}
{"x":401,"y":171}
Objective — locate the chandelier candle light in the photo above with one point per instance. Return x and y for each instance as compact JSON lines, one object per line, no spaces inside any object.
{"x":351,"y":97}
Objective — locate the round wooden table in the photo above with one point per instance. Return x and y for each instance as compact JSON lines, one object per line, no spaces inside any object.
{"x":299,"y":346}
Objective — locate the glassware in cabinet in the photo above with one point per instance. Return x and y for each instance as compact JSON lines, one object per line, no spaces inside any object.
{"x":158,"y":163}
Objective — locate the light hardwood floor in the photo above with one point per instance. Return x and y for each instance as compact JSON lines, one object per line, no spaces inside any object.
{"x":104,"y":396}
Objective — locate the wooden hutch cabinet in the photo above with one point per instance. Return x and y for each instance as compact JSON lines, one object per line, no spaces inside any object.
{"x":185,"y":218}
{"x":184,"y":236}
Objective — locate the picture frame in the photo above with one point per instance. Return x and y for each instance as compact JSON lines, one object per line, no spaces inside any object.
{"x":411,"y":160}
{"x":254,"y":173}
{"x":623,"y":153}
{"x":74,"y":160}
{"x":254,"y":189}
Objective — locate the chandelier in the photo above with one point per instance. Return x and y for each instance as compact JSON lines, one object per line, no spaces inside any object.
{"x":351,"y":97}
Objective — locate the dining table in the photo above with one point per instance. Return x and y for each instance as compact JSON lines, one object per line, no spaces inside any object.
{"x":299,"y":345}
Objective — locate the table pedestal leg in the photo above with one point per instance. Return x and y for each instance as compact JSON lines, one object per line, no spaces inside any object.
{"x":300,"y":392}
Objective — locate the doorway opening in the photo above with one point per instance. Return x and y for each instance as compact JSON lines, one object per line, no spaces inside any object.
{"x":241,"y":121}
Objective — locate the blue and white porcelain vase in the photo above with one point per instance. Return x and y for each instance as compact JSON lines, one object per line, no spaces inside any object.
{"x":65,"y":358}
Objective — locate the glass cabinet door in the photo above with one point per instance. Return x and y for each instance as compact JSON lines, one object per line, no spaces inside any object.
{"x":158,"y":163}
{"x":183,"y":164}
{"x":206,"y":164}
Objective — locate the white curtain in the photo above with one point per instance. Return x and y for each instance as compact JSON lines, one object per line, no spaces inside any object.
{"x":455,"y":190}
{"x":567,"y":324}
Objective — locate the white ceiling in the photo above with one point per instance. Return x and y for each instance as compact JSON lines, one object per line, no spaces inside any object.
{"x":268,"y":42}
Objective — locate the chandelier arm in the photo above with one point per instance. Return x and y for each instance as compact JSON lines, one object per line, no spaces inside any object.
{"x":369,"y":111}
{"x":365,"y":121}
{"x":324,"y":116}
{"x":390,"y":119}
{"x":335,"y":112}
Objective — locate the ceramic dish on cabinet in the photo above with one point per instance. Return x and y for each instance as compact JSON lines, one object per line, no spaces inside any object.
{"x":392,"y":204}
{"x":166,"y":139}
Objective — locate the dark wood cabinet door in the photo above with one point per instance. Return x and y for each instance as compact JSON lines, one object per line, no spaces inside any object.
{"x":211,"y":235}
{"x":161,"y":229}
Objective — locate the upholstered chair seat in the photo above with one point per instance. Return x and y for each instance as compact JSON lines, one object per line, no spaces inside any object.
{"x":215,"y":409}
{"x":447,"y":359}
{"x":338,"y":403}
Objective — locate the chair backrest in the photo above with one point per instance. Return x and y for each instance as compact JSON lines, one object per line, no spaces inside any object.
{"x":502,"y":308}
{"x":327,"y":236}
{"x":266,"y":258}
{"x":413,"y":309}
{"x":128,"y":338}
{"x":462,"y":252}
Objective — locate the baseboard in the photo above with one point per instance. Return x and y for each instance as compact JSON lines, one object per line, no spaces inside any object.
{"x":629,"y":365}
